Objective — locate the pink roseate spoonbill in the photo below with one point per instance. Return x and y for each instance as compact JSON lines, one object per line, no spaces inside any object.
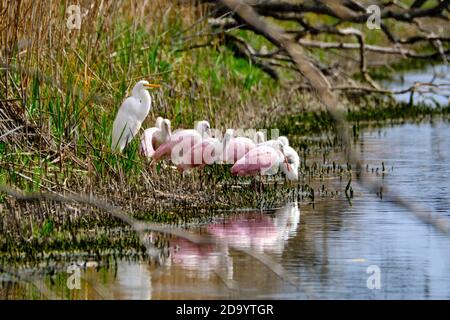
{"x":131,"y":114}
{"x":206,"y":152}
{"x":260,"y":137}
{"x":181,"y":141}
{"x":264,"y":160}
{"x":236,"y":148}
{"x":284,"y":140}
{"x":291,"y":164}
{"x":154,"y":137}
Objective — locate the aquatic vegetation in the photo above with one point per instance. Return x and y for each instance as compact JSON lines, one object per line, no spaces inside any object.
{"x":58,"y":115}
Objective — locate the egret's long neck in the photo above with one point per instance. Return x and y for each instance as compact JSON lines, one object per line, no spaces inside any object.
{"x":145,"y":99}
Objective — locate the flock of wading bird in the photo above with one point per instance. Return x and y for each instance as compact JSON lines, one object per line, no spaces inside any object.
{"x":192,"y":148}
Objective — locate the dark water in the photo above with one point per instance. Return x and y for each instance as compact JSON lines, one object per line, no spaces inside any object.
{"x":325,"y":250}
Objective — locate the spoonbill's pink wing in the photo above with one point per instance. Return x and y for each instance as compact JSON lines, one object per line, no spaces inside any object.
{"x":162,"y":151}
{"x":148,"y":141}
{"x":200,"y":154}
{"x":255,"y":161}
{"x":237,"y":148}
{"x":180,"y":141}
{"x":210,"y":149}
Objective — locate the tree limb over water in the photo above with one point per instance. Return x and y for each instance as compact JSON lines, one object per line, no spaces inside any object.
{"x":142,"y":227}
{"x":351,"y":18}
{"x":324,"y":90}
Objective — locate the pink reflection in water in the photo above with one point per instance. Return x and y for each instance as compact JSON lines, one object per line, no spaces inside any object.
{"x":256,"y":231}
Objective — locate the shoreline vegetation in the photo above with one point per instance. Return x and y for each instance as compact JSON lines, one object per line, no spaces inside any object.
{"x":62,"y":89}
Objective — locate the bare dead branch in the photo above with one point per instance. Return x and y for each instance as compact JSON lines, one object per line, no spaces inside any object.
{"x":337,"y":10}
{"x":244,"y":50}
{"x":372,"y":48}
{"x":141,"y":227}
{"x":322,"y":86}
{"x":344,"y":11}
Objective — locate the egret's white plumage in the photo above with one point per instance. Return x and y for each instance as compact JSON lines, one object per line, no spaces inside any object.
{"x":131,"y":114}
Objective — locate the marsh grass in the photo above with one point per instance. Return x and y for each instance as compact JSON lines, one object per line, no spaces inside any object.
{"x":82,"y":76}
{"x":59,"y":93}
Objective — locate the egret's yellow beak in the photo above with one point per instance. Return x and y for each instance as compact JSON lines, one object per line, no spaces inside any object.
{"x":151,"y":85}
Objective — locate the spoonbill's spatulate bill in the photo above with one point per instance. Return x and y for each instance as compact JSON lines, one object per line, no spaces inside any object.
{"x":131,"y":114}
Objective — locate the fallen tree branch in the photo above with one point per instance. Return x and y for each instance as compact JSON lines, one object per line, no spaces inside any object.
{"x":322,"y":86}
{"x":343,"y":10}
{"x":141,"y":227}
{"x":372,"y":48}
{"x":242,"y":49}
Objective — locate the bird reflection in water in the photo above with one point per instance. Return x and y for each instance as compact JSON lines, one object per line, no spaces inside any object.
{"x":255,"y":231}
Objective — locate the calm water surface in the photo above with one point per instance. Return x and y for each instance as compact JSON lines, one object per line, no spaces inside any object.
{"x":438,"y":75}
{"x":324,"y":250}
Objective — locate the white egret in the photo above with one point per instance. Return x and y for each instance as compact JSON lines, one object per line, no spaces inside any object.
{"x":131,"y":114}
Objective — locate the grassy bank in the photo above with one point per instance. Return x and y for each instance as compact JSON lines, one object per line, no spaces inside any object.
{"x":60,"y":90}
